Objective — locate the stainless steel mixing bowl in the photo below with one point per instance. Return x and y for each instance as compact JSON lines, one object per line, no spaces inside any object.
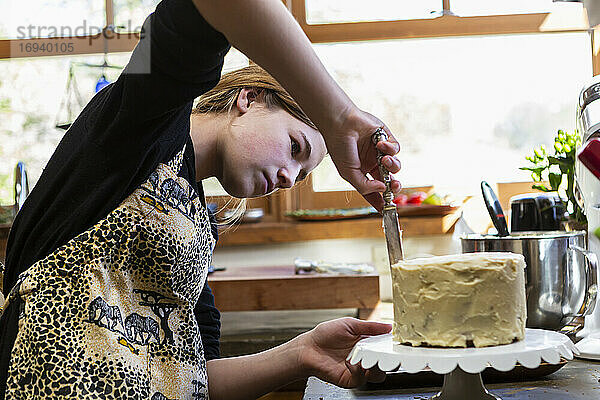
{"x":561,"y":275}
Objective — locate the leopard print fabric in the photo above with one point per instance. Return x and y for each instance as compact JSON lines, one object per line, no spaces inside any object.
{"x":110,"y":313}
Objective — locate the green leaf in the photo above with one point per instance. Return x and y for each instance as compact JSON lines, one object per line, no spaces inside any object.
{"x":565,"y":169}
{"x":555,"y":180}
{"x":528,"y":168}
{"x":542,"y":188}
{"x":559,"y":161}
{"x":535,"y":170}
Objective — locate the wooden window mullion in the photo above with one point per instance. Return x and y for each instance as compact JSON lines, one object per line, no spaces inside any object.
{"x":298,"y":10}
{"x":446,"y":7}
{"x":109,"y":13}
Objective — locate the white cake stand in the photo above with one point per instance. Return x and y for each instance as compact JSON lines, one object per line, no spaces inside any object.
{"x":463,"y":382}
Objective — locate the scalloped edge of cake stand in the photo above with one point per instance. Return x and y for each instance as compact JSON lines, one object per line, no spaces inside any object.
{"x":462,"y":367}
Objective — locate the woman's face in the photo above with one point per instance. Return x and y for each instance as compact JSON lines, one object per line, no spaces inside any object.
{"x":266,"y":149}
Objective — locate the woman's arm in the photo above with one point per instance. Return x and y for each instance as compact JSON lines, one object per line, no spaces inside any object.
{"x":321,"y":352}
{"x":266,"y":32}
{"x":249,"y":377}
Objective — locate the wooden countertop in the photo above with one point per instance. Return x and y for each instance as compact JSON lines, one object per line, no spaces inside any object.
{"x":278,"y":288}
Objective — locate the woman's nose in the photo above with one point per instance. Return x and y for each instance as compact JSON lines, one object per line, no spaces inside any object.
{"x":286,"y":177}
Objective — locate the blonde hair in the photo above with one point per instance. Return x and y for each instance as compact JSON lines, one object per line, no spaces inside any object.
{"x":223,"y":97}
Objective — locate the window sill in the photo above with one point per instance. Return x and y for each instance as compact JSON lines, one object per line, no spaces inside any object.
{"x":295,"y":231}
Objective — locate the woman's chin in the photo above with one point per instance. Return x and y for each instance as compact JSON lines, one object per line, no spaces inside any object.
{"x":241,"y":193}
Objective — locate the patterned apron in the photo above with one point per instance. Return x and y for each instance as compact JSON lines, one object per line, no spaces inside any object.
{"x":111,"y":313}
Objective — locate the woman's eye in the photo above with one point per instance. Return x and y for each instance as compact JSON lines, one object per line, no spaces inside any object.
{"x":295,"y":147}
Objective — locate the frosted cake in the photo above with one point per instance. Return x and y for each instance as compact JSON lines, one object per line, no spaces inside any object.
{"x":462,"y":300}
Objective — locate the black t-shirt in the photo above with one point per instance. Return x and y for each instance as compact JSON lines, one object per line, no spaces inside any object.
{"x":124,"y":132}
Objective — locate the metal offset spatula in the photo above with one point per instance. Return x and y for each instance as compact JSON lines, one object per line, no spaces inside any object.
{"x":494,"y":209}
{"x":391,"y":227}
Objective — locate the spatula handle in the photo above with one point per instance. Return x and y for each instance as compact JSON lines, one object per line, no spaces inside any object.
{"x":388,"y":195}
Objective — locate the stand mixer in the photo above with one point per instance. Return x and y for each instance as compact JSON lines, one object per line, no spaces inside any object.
{"x":587,"y":190}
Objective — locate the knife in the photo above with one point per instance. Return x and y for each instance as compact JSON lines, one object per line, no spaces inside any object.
{"x":391,"y":226}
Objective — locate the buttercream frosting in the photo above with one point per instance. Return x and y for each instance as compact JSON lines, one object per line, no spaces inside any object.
{"x":460,"y":300}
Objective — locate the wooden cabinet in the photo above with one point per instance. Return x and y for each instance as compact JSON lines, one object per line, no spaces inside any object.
{"x":279,"y":288}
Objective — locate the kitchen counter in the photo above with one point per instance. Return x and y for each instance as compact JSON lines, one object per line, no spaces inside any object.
{"x":271,"y":288}
{"x":578,"y":380}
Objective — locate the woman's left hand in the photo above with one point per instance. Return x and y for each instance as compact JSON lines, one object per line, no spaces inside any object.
{"x":325,"y":348}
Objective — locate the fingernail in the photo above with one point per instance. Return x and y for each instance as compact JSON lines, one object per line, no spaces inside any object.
{"x":387,"y":162}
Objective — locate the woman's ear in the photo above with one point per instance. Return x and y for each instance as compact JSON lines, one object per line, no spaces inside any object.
{"x":246,"y":97}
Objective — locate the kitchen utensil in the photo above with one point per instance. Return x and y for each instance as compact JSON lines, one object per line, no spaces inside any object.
{"x":212,"y":268}
{"x":587,"y":195}
{"x":73,"y":100}
{"x":494,"y":209}
{"x":101,"y":83}
{"x":587,"y":175}
{"x":589,"y":155}
{"x":391,"y":227}
{"x":536,"y":212}
{"x":462,"y":367}
{"x":21,"y":186}
{"x":250,"y":215}
{"x":561,"y":276}
{"x":332,"y":214}
{"x":302,"y":265}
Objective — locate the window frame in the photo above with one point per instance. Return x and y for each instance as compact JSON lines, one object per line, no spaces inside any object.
{"x":108,"y":41}
{"x":445,"y":25}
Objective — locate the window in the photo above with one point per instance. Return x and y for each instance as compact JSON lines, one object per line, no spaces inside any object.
{"x":335,"y":11}
{"x":46,"y":18}
{"x":468,"y":8}
{"x":31,"y":94}
{"x":466,"y":108}
{"x":130,"y":14}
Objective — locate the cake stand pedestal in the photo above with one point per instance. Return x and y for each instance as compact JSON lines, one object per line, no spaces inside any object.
{"x":462,"y":367}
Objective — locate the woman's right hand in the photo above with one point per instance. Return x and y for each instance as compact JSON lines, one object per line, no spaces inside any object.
{"x":355,"y":155}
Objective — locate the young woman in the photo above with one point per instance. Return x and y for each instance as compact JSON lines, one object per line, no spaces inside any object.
{"x":107,"y":260}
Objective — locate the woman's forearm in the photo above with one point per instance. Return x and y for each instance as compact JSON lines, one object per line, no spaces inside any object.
{"x":267,"y":33}
{"x":249,"y":377}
